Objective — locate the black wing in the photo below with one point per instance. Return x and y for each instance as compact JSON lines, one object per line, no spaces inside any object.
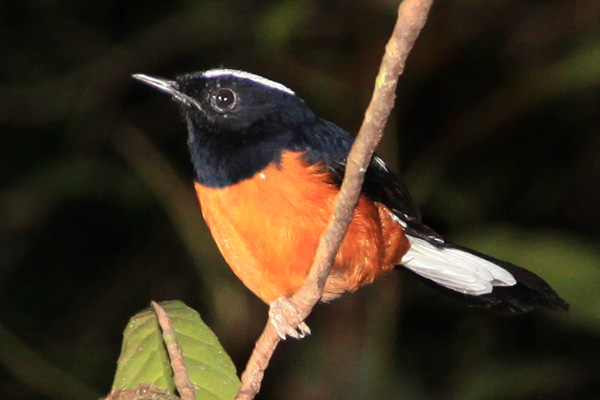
{"x":329,"y":144}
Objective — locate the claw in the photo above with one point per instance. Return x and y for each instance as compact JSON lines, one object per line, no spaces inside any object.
{"x":286,"y":319}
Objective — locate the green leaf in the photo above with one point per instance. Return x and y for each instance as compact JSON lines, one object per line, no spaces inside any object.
{"x":144,"y":358}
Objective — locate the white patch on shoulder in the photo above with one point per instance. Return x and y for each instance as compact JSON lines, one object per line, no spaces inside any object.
{"x":397,"y":219}
{"x":455,"y":269}
{"x":218,"y":72}
{"x":380,"y":163}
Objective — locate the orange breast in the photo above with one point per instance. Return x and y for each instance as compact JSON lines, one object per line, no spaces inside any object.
{"x":268,"y":228}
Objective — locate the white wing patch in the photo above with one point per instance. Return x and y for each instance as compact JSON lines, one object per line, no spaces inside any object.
{"x":379,"y":161}
{"x":218,"y":72}
{"x":455,"y":269}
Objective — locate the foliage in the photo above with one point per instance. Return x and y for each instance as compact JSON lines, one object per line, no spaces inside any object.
{"x":144,"y":359}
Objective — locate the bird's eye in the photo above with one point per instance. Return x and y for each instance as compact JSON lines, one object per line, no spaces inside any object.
{"x":224,"y":100}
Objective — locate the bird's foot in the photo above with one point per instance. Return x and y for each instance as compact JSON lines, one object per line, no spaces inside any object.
{"x":286,"y":319}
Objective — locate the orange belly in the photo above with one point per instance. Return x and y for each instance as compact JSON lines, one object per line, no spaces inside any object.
{"x":268,"y":228}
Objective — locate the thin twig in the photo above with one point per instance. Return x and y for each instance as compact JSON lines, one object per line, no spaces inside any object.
{"x":180,"y":376}
{"x":412,"y":15}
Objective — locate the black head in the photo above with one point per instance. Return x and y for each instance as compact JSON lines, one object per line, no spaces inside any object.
{"x":238,"y":122}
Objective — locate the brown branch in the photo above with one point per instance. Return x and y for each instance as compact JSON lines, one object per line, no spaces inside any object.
{"x":180,"y":376}
{"x":412,"y":15}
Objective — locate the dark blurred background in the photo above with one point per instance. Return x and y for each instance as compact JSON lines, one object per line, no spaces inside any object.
{"x":496,"y":132}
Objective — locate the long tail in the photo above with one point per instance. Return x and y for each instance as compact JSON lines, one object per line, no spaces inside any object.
{"x":478,"y":278}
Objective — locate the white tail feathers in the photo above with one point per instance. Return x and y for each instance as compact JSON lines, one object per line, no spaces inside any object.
{"x":455,"y":269}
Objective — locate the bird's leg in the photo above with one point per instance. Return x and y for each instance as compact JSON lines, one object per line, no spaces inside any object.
{"x":286,"y":319}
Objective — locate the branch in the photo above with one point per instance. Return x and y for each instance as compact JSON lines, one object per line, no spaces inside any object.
{"x":412,"y":15}
{"x":180,"y":376}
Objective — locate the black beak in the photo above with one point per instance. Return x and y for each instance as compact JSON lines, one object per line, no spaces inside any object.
{"x":169,"y":87}
{"x":164,"y":85}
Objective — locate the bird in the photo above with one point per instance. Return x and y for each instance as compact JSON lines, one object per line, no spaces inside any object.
{"x":267,"y":170}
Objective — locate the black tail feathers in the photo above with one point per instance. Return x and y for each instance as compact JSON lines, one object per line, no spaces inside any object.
{"x":529,"y":292}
